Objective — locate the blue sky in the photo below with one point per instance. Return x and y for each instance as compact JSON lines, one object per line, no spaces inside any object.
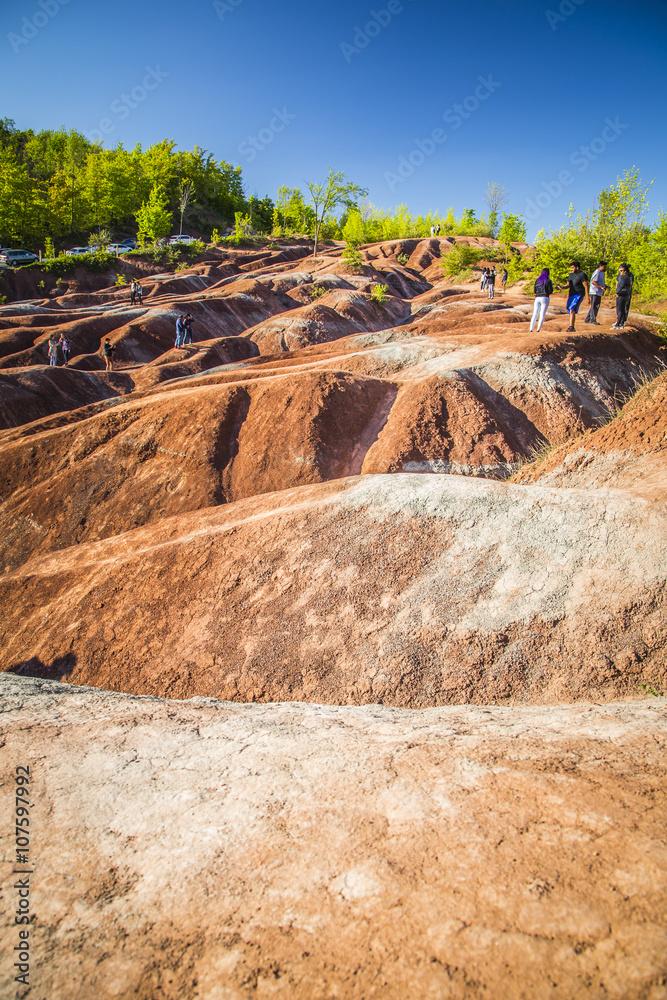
{"x":288,"y":88}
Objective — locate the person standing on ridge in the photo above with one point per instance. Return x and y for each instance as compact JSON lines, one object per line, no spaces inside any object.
{"x":53,"y":352}
{"x":491,"y":282}
{"x":133,"y":291}
{"x":180,"y":331}
{"x":437,"y":230}
{"x":578,"y":288}
{"x":140,"y":292}
{"x":597,"y":290}
{"x":65,"y":347}
{"x":504,"y":279}
{"x":485,"y":275}
{"x":624,"y":284}
{"x":108,"y":350}
{"x":432,"y":232}
{"x":543,"y":289}
{"x":187,"y":326}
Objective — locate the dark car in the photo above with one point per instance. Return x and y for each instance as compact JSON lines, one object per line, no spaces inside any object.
{"x":15,"y":258}
{"x":132,"y":244}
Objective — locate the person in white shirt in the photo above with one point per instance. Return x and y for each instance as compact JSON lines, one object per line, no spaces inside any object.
{"x":597,"y":289}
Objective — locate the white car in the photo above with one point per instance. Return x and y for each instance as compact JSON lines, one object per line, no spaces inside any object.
{"x":182,"y":239}
{"x":77,"y":251}
{"x":117,"y":248}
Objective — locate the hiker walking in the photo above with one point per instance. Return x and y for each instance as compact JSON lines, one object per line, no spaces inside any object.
{"x":485,"y":275}
{"x":597,"y":289}
{"x":53,"y":352}
{"x":543,"y":290}
{"x":65,"y":347}
{"x":187,"y":326}
{"x":578,"y":288}
{"x":133,"y":291}
{"x":108,"y":350}
{"x":624,"y":284}
{"x":504,"y":279}
{"x":139,"y":292}
{"x":491,"y":283}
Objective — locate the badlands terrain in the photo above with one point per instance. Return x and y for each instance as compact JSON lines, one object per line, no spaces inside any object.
{"x":328,"y":504}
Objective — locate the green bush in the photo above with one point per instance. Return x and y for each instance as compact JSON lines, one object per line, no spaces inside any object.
{"x":317,"y":291}
{"x":402,"y":259}
{"x":379,"y":294}
{"x":460,"y":258}
{"x":65,"y":267}
{"x":353,"y":258}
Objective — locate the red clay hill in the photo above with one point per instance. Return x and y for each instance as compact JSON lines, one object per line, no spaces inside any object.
{"x":312,"y":501}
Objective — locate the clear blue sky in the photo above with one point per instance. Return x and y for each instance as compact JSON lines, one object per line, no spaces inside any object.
{"x":362,"y":101}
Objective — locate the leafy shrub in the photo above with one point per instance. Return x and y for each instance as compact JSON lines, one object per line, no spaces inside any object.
{"x":120,"y":280}
{"x":183,"y":266}
{"x":352,"y":257}
{"x":49,"y":249}
{"x":64,"y":267}
{"x":194,"y":249}
{"x":460,"y":258}
{"x":402,"y":259}
{"x":379,"y":294}
{"x":317,"y":291}
{"x":215,"y":237}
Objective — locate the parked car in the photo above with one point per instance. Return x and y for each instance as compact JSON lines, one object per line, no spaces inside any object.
{"x":132,"y":244}
{"x":15,"y":258}
{"x":77,"y":251}
{"x":117,"y":248}
{"x":182,"y":239}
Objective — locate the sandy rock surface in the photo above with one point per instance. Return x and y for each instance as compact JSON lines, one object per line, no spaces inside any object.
{"x":219,"y":851}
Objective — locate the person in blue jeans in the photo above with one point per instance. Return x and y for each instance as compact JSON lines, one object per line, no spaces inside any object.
{"x":187,"y":323}
{"x":180,"y":331}
{"x":577,"y":291}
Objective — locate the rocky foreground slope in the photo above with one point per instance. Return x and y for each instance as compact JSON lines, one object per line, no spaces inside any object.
{"x":304,"y":852}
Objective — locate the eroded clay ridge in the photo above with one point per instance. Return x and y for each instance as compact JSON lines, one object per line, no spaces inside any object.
{"x":269,"y":514}
{"x":320,"y":851}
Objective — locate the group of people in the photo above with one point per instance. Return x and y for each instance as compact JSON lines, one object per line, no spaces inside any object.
{"x":136,"y":292}
{"x":59,"y":344}
{"x":435,"y":231}
{"x":579,"y":287}
{"x":183,"y":329}
{"x":489,"y":276}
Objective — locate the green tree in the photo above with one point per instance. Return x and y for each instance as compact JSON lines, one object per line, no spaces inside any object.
{"x":334,"y":191}
{"x":154,"y":217}
{"x":513,"y":229}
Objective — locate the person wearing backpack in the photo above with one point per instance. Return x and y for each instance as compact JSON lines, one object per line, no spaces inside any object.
{"x":139,"y":292}
{"x":543,"y":289}
{"x":133,"y":291}
{"x":491,"y":282}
